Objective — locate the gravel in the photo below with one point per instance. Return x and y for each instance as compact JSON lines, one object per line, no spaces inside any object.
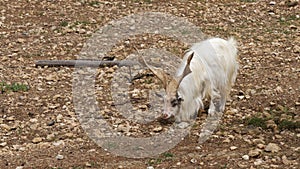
{"x":39,"y":127}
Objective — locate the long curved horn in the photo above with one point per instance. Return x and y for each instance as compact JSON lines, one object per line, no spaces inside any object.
{"x":186,"y":70}
{"x":162,"y":76}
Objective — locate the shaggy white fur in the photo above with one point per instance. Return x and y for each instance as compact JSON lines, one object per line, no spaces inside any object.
{"x":214,"y":69}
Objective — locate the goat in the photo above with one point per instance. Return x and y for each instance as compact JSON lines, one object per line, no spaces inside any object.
{"x":208,"y":68}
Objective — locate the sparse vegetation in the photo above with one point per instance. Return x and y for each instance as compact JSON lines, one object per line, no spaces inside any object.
{"x":288,"y":125}
{"x":64,"y":23}
{"x":282,"y":124}
{"x":14,"y":87}
{"x":257,"y":122}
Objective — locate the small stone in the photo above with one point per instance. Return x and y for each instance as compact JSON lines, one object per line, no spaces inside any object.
{"x":55,"y":97}
{"x":279,"y":89}
{"x":150,"y":167}
{"x":272,"y":104}
{"x":10,"y":118}
{"x":51,"y":123}
{"x":257,"y":141}
{"x":241,"y":97}
{"x":20,"y":40}
{"x":254,"y":153}
{"x":37,"y":140}
{"x":272,"y":3}
{"x":261,"y":146}
{"x":272,"y":147}
{"x":227,"y":140}
{"x":34,"y":120}
{"x":88,"y":164}
{"x":5,"y":127}
{"x":19,"y":167}
{"x":51,"y":78}
{"x":178,"y":163}
{"x":59,"y":118}
{"x":233,"y":148}
{"x":294,"y":27}
{"x":271,"y":124}
{"x":59,"y":157}
{"x":258,"y":162}
{"x":285,"y":160}
{"x":50,"y":137}
{"x":193,"y":161}
{"x":123,"y":128}
{"x":110,"y":70}
{"x":157,"y":129}
{"x":298,"y":135}
{"x":69,"y":135}
{"x":60,"y":142}
{"x":3,"y":144}
{"x":245,"y":157}
{"x":297,"y":103}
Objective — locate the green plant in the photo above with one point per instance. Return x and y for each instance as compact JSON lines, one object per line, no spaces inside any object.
{"x":81,"y":23}
{"x":64,"y":23}
{"x":257,"y":122}
{"x":288,"y":125}
{"x":94,"y":3}
{"x":15,"y":87}
{"x":155,"y":161}
{"x":168,"y":155}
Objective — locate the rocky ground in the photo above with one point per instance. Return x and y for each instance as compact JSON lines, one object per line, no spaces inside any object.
{"x":38,"y":124}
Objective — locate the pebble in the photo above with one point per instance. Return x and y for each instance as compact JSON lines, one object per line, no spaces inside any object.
{"x":261,"y":146}
{"x":50,"y":137}
{"x":59,"y":157}
{"x":3,"y":144}
{"x":233,"y":148}
{"x":19,"y":167}
{"x":285,"y":160}
{"x":150,"y":167}
{"x":254,"y":153}
{"x":5,"y":127}
{"x":58,"y":143}
{"x":157,"y":129}
{"x":88,"y":164}
{"x":59,"y":117}
{"x":193,"y":161}
{"x":10,"y":118}
{"x":227,"y":140}
{"x":257,"y":141}
{"x":258,"y":162}
{"x":245,"y":157}
{"x":37,"y":140}
{"x":272,"y":147}
{"x":51,"y":123}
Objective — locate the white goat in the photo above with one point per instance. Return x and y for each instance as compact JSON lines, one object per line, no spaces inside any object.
{"x":209,"y":68}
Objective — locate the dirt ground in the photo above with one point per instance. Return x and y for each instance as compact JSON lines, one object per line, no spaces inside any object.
{"x":39,"y":128}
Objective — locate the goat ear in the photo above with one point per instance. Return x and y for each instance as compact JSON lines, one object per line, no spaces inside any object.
{"x":187,"y":69}
{"x":162,"y":76}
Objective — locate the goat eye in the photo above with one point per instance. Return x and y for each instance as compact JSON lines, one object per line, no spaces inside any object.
{"x":174,"y":103}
